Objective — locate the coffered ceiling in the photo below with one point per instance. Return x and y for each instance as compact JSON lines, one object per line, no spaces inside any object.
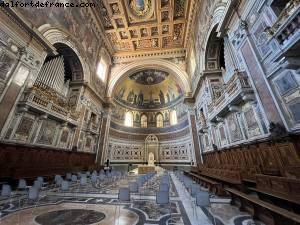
{"x":143,"y":26}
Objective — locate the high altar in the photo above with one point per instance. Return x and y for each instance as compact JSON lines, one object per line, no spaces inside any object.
{"x":143,"y":169}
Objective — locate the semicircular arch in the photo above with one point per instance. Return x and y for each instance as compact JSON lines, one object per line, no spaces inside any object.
{"x":122,"y":73}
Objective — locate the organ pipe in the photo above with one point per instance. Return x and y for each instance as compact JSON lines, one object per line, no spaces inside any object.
{"x":52,"y":75}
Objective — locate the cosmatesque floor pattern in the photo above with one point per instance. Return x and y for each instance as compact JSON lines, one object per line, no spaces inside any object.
{"x":98,"y":205}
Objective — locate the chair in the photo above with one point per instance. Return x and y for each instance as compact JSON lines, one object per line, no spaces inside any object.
{"x":68,"y":176}
{"x":102,"y":177}
{"x":22,"y":184}
{"x":74,"y":178}
{"x":37,"y":184}
{"x":64,"y":185}
{"x":59,"y":181}
{"x":83,"y":181}
{"x":6,"y":190}
{"x":123,"y":196}
{"x":164,"y":187}
{"x":203,"y":200}
{"x":94,"y":178}
{"x":56,"y":178}
{"x":133,"y":187}
{"x":40,"y":179}
{"x":162,"y":198}
{"x":33,"y":194}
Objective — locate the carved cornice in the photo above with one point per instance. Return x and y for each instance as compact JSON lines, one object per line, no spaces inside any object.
{"x":126,"y":58}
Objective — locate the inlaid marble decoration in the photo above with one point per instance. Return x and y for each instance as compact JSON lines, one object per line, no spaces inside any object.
{"x":6,"y":63}
{"x":253,"y":128}
{"x":234,"y":128}
{"x":47,"y":132}
{"x":222,"y":135}
{"x":64,"y":136}
{"x":24,"y":128}
{"x":295,"y":110}
{"x":261,"y":39}
{"x":286,"y":83}
{"x":70,"y":217}
{"x":88,"y":142}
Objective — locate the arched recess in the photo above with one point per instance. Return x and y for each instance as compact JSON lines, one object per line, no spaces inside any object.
{"x":214,"y":53}
{"x":128,"y":122}
{"x":56,"y":36}
{"x":152,"y":146}
{"x":144,"y":121}
{"x":118,"y":75}
{"x":159,"y":120}
{"x":213,"y":29}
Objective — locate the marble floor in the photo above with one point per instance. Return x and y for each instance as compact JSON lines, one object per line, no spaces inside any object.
{"x":98,"y":204}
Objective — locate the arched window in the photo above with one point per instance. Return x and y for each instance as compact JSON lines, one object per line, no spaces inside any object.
{"x":128,"y":119}
{"x":144,"y":121}
{"x":102,"y":69}
{"x":159,"y":120}
{"x":173,"y":117}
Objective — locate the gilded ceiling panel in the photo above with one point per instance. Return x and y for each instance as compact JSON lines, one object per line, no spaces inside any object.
{"x":145,"y":25}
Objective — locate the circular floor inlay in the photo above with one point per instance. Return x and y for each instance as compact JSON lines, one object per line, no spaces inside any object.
{"x":70,"y":217}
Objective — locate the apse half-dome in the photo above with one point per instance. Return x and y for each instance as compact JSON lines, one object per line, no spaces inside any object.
{"x":148,"y":89}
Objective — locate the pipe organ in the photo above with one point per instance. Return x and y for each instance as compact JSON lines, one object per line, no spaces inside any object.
{"x":52,"y":75}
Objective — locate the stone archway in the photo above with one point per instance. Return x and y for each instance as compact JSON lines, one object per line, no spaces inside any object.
{"x":57,"y":36}
{"x":151,"y":149}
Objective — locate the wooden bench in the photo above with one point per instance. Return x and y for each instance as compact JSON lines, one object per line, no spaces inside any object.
{"x":289,"y":198}
{"x":264,"y":211}
{"x":213,"y":186}
{"x":224,"y":178}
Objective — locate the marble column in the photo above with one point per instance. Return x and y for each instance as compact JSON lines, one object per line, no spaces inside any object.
{"x":259,"y":81}
{"x":194,"y":133}
{"x":103,"y":137}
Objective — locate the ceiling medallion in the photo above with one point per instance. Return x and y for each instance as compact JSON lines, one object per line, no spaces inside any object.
{"x":140,"y":9}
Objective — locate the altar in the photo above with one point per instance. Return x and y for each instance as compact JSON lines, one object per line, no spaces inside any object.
{"x":143,"y":169}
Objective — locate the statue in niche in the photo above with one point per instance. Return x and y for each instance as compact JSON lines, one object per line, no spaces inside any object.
{"x":202,"y":118}
{"x":151,"y":159}
{"x":161,"y":97}
{"x":141,"y":98}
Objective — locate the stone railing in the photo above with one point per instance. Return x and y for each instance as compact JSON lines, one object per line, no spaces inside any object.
{"x":37,"y":99}
{"x":237,"y":87}
{"x":287,"y":24}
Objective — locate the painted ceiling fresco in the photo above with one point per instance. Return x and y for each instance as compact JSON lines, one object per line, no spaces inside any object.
{"x":149,"y":77}
{"x":137,"y":25}
{"x":148,"y":89}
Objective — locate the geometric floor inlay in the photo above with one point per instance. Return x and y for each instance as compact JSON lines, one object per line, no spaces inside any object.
{"x":70,"y":217}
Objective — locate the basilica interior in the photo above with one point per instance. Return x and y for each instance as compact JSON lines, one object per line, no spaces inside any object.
{"x":139,"y":112}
